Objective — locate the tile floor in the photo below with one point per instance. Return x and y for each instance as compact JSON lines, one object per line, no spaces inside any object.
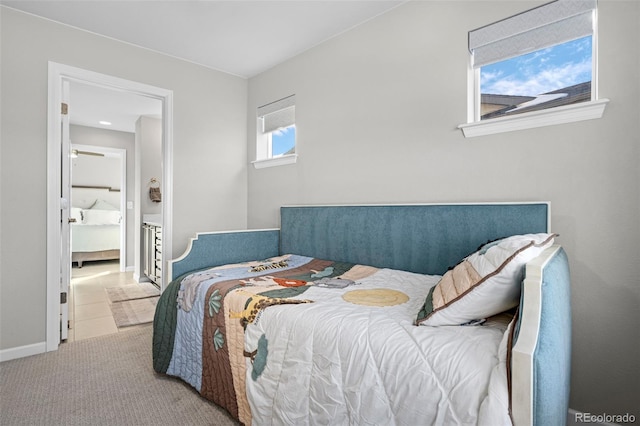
{"x":89,"y":311}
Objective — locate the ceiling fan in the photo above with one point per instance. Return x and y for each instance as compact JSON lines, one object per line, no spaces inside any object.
{"x":75,"y":153}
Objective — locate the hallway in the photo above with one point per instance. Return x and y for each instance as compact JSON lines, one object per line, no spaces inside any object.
{"x":89,"y":307}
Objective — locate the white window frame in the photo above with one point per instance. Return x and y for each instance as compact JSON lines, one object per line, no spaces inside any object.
{"x":264,"y":153}
{"x":552,"y":116}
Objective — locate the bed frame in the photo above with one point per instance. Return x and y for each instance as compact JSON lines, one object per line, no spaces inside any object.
{"x":430,"y":238}
{"x":89,"y":256}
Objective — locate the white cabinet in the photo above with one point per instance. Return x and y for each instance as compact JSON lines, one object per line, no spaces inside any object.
{"x":153,"y":252}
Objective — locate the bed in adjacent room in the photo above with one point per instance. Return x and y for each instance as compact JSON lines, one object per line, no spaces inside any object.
{"x":95,"y":233}
{"x":403,"y":314}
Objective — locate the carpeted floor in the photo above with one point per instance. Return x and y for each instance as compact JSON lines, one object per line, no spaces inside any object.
{"x":105,"y":380}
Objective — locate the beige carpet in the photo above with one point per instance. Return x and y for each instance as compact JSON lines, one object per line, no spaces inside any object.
{"x":134,"y":312}
{"x":132,"y":291}
{"x":106,"y":380}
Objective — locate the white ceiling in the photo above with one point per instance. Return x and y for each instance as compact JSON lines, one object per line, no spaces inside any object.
{"x":88,"y":105}
{"x":239,"y":37}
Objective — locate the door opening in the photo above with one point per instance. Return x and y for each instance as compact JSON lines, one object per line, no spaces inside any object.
{"x":58,"y":157}
{"x":99,"y":181}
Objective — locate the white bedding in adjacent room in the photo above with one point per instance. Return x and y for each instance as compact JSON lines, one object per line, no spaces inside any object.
{"x":89,"y":238}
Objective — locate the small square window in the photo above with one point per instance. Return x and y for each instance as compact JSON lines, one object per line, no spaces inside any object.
{"x":276,"y":133}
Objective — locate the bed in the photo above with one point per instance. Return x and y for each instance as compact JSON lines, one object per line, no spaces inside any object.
{"x":345,"y":315}
{"x":95,"y":234}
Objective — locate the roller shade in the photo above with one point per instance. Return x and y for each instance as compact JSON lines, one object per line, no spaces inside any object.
{"x":278,"y":114}
{"x":547,"y":25}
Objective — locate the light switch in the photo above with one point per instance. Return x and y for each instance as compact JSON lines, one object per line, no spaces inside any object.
{"x":129,"y":205}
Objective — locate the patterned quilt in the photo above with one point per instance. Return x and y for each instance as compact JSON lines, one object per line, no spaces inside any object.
{"x":298,"y":340}
{"x":201,"y":318}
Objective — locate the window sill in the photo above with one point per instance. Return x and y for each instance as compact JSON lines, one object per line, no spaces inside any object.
{"x":277,"y":161}
{"x":560,"y":115}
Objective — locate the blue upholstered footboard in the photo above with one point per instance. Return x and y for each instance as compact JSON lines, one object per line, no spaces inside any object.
{"x":220,"y":248}
{"x":541,"y":357}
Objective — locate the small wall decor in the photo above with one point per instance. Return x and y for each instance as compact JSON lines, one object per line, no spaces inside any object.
{"x":154,"y":190}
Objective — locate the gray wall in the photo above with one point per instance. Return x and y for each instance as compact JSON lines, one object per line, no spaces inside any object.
{"x":111,"y":139}
{"x":148,"y":166}
{"x":209,"y":151}
{"x":149,"y":162}
{"x":376,"y":115}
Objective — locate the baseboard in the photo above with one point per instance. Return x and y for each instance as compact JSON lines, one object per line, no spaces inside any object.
{"x":575,"y":418}
{"x":22,"y":351}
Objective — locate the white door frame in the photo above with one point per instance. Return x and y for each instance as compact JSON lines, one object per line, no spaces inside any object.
{"x":65,"y":226}
{"x":58,"y":73}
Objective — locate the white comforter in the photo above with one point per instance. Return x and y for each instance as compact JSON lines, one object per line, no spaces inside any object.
{"x":336,"y":363}
{"x":88,"y":238}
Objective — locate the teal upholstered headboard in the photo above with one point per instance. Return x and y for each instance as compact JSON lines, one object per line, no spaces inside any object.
{"x":424,"y":238}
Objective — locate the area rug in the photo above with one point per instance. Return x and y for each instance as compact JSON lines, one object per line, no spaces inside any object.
{"x":134,"y":312}
{"x":132,"y":291}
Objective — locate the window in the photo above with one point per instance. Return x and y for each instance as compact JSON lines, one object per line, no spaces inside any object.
{"x":534,"y":64}
{"x":283,"y":141}
{"x":276,"y":133}
{"x":550,"y":77}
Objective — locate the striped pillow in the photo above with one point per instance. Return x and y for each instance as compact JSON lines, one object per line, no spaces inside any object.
{"x":483,"y":284}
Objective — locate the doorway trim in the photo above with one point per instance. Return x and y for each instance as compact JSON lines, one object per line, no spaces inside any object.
{"x":57,"y":74}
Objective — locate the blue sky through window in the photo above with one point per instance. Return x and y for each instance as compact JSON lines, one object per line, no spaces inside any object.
{"x":282,"y":140}
{"x":541,"y":71}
